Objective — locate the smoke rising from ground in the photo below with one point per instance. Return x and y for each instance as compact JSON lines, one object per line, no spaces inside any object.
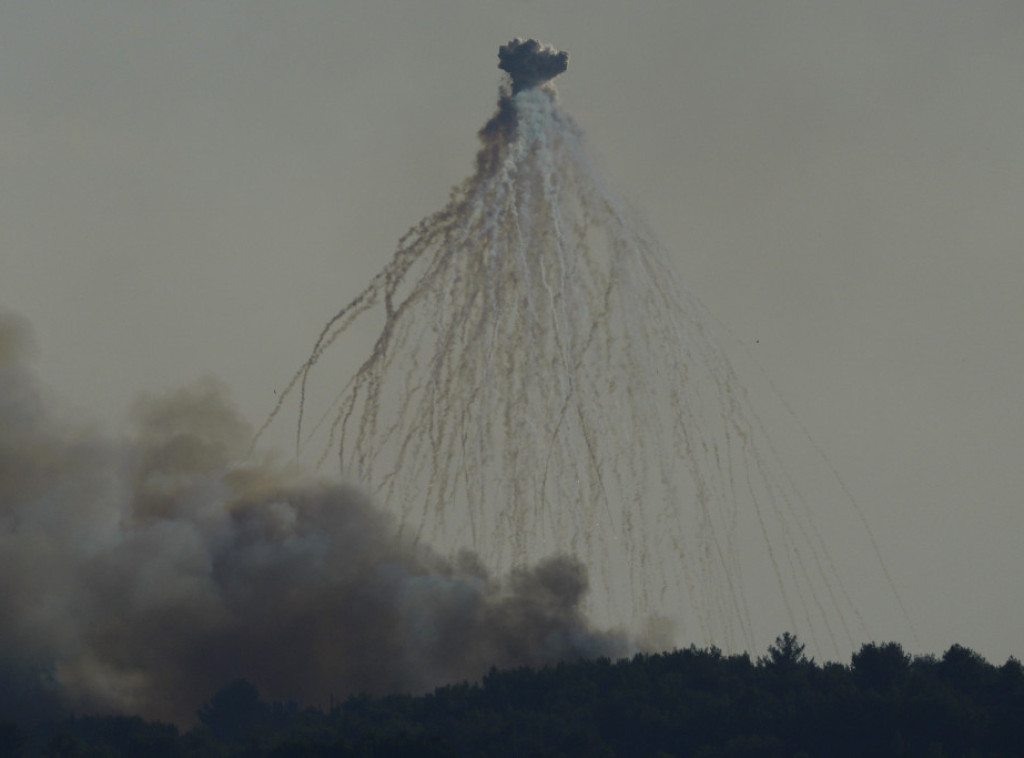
{"x":141,"y":574}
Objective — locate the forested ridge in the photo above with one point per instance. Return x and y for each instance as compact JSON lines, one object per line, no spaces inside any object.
{"x":692,"y":702}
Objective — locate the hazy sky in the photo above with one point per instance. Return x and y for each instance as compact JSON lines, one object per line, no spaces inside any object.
{"x":193,"y":188}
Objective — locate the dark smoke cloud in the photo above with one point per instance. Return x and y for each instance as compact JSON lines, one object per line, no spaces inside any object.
{"x":531,"y":63}
{"x":142,"y":574}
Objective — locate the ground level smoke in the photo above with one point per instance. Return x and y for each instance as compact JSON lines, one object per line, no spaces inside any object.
{"x":141,"y":574}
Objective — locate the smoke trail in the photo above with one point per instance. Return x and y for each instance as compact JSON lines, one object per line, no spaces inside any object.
{"x":142,"y":574}
{"x":540,"y":380}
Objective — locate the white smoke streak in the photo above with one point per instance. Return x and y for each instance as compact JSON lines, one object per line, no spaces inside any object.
{"x":543,"y":382}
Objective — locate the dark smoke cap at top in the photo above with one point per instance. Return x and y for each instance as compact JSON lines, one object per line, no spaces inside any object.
{"x":530,"y":63}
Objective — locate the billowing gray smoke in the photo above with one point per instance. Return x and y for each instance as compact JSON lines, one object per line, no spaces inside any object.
{"x":530,"y":63}
{"x":142,"y":574}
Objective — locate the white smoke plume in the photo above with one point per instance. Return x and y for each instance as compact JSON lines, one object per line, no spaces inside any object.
{"x":141,"y":574}
{"x":541,"y":381}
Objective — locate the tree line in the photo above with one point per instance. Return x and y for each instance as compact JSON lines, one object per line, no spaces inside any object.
{"x":692,"y":703}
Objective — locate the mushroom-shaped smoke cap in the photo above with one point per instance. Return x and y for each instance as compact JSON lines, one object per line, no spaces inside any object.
{"x":530,"y":63}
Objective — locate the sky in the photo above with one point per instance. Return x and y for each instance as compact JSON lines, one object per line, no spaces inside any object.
{"x":191,"y":189}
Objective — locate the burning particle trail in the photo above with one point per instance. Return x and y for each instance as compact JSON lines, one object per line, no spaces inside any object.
{"x":541,"y":383}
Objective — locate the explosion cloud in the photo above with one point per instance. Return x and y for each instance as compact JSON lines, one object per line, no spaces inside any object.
{"x":141,"y":574}
{"x":530,"y":63}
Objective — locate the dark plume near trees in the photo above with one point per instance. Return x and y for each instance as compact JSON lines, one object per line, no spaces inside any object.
{"x":141,"y":572}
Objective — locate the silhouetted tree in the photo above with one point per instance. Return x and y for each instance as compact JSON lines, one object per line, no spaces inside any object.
{"x":965,"y":669}
{"x":233,"y":711}
{"x":786,"y":652}
{"x":880,"y":667}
